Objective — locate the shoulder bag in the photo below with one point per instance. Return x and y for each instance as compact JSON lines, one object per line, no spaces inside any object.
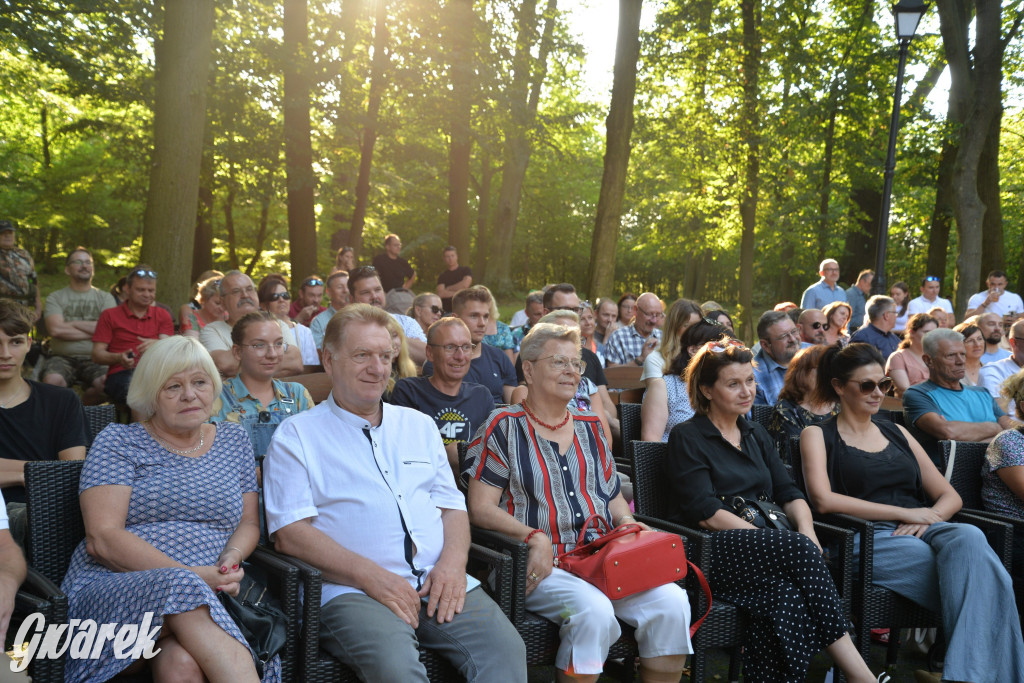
{"x":260,"y":618}
{"x":628,"y":560}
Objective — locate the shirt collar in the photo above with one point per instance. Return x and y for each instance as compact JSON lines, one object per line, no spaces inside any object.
{"x":708,"y":429}
{"x":351,"y":419}
{"x":131,"y":314}
{"x":768,"y":361}
{"x":241,"y":391}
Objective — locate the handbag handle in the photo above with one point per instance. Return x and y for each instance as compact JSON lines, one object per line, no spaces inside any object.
{"x":707,"y":593}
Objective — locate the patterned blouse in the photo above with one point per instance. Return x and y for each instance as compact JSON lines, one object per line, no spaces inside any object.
{"x":788,"y":420}
{"x":502,"y":339}
{"x":541,"y":487}
{"x":1006,"y":450}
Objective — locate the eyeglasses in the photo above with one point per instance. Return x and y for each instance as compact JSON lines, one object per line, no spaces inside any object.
{"x":436,"y":310}
{"x":261,"y":348}
{"x":450,"y":349}
{"x":651,"y":314}
{"x":868,"y":386}
{"x":709,"y":321}
{"x":719,"y":346}
{"x":563,"y":363}
{"x":144,"y":272}
{"x":80,"y":262}
{"x":278,"y":296}
{"x":818,"y":326}
{"x":792,"y":334}
{"x":313,"y":282}
{"x":240,"y":290}
{"x":933,"y":278}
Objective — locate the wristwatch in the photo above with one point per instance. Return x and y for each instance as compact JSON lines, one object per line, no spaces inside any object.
{"x":638,"y":360}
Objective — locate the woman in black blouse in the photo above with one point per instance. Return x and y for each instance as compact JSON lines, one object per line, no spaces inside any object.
{"x":779,"y":577}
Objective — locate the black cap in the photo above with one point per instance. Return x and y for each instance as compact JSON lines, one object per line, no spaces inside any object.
{"x":6,"y":225}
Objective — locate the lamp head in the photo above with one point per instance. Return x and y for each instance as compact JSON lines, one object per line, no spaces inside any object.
{"x":908,"y":14}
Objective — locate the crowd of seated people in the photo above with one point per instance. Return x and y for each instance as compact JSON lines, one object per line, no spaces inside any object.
{"x":523,"y":398}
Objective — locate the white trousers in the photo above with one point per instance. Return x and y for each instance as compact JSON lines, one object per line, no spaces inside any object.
{"x":588,"y":626}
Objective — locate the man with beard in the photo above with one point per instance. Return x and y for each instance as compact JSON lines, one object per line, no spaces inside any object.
{"x":993,"y":375}
{"x":991,"y":326}
{"x":123,"y":333}
{"x":239,"y":297}
{"x":780,"y":340}
{"x":812,"y":326}
{"x":456,"y":407}
{"x":943,"y":407}
{"x":878,"y":332}
{"x":71,"y":316}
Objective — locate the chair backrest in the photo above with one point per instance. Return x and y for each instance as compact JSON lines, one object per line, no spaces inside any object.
{"x":966,"y":474}
{"x":624,"y":377}
{"x":319,"y":384}
{"x":894,"y":416}
{"x":651,"y":495}
{"x":629,"y":424}
{"x":761,"y":414}
{"x":55,"y":526}
{"x":96,"y":418}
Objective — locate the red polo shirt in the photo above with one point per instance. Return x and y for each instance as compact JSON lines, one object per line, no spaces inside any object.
{"x":120,"y":329}
{"x":296,"y":308}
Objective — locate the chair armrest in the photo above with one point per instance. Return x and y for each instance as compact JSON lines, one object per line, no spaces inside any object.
{"x":519,"y":554}
{"x":311,"y":582}
{"x":843,"y":561}
{"x":282,"y":579}
{"x":866,"y":529}
{"x":499,"y":566}
{"x":999,"y":535}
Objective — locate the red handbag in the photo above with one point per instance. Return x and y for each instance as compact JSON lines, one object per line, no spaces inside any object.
{"x":628,"y":560}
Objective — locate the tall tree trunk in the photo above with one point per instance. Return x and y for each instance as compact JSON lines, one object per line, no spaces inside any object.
{"x":751,"y":132}
{"x":378,"y":69}
{"x":229,"y":225}
{"x":339,"y":218}
{"x":942,"y":212}
{"x":460,"y":28}
{"x":483,"y":215}
{"x":202,"y":246}
{"x":980,"y":90}
{"x":825,"y":189}
{"x":993,"y":249}
{"x":298,"y":148}
{"x":619,"y":127}
{"x":261,"y":236}
{"x":517,"y":137}
{"x":179,"y":114}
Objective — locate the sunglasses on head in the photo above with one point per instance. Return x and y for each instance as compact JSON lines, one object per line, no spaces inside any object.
{"x":144,"y":272}
{"x":868,"y":386}
{"x":933,"y":278}
{"x":278,"y":296}
{"x":720,"y":346}
{"x":709,"y":321}
{"x":313,"y":282}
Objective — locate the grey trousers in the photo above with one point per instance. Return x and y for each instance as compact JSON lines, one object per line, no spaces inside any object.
{"x":367,"y":636}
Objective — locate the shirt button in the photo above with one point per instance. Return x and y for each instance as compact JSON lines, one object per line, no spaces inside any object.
{"x":571,"y":493}
{"x":565,"y":468}
{"x":579,"y":514}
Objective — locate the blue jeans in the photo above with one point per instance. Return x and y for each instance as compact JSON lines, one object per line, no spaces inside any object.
{"x":480,"y":642}
{"x":953,"y":571}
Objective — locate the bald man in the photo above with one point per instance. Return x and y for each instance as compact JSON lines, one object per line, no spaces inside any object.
{"x":630,"y":345}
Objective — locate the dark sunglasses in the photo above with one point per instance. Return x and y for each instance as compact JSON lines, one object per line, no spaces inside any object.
{"x":436,"y":310}
{"x":868,"y":386}
{"x":818,"y":326}
{"x":313,"y":282}
{"x":277,"y":296}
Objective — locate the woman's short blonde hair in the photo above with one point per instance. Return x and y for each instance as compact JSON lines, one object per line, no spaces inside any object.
{"x":541,"y":333}
{"x":555,"y":318}
{"x":165,"y":358}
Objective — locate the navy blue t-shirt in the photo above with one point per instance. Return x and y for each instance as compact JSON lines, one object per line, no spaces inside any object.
{"x":457,"y":417}
{"x":493,"y":369}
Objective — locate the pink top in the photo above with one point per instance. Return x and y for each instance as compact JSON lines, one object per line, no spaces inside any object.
{"x":905,"y":359}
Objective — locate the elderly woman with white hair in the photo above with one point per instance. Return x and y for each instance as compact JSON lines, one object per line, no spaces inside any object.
{"x":511,"y":490}
{"x":169,"y":506}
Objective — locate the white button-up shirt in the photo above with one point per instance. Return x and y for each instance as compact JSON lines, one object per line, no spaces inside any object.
{"x":364,"y":486}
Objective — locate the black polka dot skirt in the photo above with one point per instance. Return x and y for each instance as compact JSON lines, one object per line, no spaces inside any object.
{"x":780,"y":578}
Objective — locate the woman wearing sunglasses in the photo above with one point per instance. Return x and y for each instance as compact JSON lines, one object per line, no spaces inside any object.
{"x":426,"y":310}
{"x":275,"y":298}
{"x":778,"y":576}
{"x":877,"y":471}
{"x":906,"y":365}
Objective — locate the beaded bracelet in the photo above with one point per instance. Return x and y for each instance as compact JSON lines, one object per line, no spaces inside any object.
{"x":531,"y":534}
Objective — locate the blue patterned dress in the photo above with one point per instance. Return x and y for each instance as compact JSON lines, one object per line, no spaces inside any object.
{"x":186,"y":507}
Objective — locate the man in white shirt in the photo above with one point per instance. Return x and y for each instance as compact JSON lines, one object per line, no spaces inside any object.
{"x":995,"y":299}
{"x":993,"y":375}
{"x":362,"y":490}
{"x":238,"y":294}
{"x":929,"y":298}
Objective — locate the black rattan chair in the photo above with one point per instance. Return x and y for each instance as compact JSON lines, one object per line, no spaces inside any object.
{"x":725,"y":626}
{"x":761,"y":414}
{"x":96,"y":418}
{"x":878,"y":607}
{"x":318,"y":666}
{"x":629,"y":425}
{"x":39,"y":595}
{"x":55,"y":528}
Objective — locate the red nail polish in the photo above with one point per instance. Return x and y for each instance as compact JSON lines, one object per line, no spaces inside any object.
{"x":217,"y":589}
{"x":235,"y":567}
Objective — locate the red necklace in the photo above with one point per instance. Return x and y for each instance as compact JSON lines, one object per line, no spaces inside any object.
{"x":553,"y":428}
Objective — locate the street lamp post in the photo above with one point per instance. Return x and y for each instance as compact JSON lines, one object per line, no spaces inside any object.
{"x":908,"y":14}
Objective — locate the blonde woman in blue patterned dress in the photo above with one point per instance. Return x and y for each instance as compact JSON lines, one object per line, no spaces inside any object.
{"x":170,"y":513}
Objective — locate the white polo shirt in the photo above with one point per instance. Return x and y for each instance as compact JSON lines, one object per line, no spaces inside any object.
{"x":363,"y":486}
{"x":992,"y":375}
{"x":216,"y":336}
{"x":1008,"y":303}
{"x":922,"y":305}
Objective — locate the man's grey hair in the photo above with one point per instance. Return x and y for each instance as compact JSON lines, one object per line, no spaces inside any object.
{"x":228,"y":274}
{"x":769,"y":318}
{"x":559,"y":318}
{"x":541,"y":333}
{"x":535,"y":298}
{"x":878,"y":306}
{"x":937,"y":336}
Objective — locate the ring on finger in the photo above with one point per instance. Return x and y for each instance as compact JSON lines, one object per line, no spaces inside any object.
{"x":533,"y":576}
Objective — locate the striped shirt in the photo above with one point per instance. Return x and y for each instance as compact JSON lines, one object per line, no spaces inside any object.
{"x":542,"y":488}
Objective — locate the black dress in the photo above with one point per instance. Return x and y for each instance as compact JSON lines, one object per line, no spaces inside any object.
{"x":779,"y":577}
